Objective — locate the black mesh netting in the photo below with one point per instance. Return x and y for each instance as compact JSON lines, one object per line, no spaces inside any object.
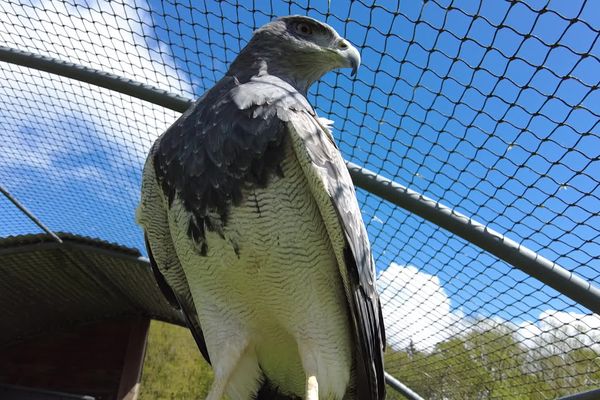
{"x":489,"y":107}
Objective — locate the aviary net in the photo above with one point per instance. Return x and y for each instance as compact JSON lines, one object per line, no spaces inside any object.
{"x":489,"y":107}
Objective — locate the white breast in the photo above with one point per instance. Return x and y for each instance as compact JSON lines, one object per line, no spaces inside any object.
{"x":280,"y":292}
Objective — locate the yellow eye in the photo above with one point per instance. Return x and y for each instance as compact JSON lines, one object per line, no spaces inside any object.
{"x":303,"y":28}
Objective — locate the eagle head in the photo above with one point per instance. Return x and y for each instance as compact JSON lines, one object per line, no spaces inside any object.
{"x":297,"y":49}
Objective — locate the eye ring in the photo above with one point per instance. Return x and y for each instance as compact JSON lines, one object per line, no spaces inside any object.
{"x":303,"y":28}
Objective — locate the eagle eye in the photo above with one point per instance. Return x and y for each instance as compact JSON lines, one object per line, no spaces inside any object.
{"x":303,"y":28}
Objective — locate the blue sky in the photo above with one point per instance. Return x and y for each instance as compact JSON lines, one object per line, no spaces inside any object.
{"x":488,"y":107}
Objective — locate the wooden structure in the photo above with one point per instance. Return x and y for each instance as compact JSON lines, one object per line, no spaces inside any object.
{"x":74,"y":318}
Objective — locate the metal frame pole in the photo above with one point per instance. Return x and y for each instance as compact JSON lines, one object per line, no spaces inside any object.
{"x":29,"y":214}
{"x":401,"y":388}
{"x":590,"y":395}
{"x":95,"y":77}
{"x":528,"y":261}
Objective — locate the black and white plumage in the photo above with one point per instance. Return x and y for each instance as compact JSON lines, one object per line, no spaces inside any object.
{"x":254,"y":231}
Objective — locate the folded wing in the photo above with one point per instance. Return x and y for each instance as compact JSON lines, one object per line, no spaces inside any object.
{"x":333,"y":190}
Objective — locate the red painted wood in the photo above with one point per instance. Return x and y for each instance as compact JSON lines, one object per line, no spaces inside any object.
{"x":134,"y":358}
{"x":90,"y":359}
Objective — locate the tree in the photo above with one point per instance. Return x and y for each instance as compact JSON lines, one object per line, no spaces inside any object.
{"x":490,"y":364}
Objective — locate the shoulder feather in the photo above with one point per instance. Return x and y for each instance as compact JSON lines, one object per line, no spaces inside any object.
{"x":230,"y":140}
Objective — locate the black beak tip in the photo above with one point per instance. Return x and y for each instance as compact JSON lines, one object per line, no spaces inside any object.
{"x":354,"y":67}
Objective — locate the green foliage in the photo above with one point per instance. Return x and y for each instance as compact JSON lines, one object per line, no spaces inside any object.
{"x":485,"y":364}
{"x":173,"y":368}
{"x":490,"y":364}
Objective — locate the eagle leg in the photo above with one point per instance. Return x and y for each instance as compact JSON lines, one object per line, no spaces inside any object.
{"x":231,"y":355}
{"x":217,"y":390}
{"x":237,"y":372}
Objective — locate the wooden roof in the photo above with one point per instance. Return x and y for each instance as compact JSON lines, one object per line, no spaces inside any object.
{"x":46,"y":286}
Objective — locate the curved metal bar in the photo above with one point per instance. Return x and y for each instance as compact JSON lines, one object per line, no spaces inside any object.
{"x":95,"y":77}
{"x":29,"y":214}
{"x":591,"y":395}
{"x":401,"y":388}
{"x":526,"y":260}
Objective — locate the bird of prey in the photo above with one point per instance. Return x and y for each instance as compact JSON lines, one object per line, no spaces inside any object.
{"x":254,"y":231}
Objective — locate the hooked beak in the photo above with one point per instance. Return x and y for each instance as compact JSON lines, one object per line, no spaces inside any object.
{"x":350,"y":56}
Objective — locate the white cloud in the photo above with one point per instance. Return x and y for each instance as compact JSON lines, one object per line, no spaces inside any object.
{"x":107,"y":35}
{"x":557,"y":331}
{"x":416,"y":307}
{"x":110,"y":36}
{"x":68,"y":131}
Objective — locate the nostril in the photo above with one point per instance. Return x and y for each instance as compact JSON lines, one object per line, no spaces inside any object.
{"x":343,"y":45}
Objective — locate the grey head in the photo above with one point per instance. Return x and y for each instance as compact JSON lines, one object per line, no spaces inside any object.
{"x":297,"y":49}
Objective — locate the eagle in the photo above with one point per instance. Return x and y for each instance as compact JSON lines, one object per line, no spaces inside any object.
{"x":254,"y":232}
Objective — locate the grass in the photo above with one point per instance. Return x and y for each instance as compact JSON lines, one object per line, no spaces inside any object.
{"x":173,"y":368}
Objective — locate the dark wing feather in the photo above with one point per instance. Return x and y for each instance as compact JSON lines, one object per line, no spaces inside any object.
{"x":178,"y":303}
{"x":231,"y":139}
{"x":167,"y":270}
{"x":164,"y":287}
{"x":333,"y":189}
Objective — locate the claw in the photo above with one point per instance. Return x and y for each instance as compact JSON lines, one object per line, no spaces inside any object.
{"x":312,"y":388}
